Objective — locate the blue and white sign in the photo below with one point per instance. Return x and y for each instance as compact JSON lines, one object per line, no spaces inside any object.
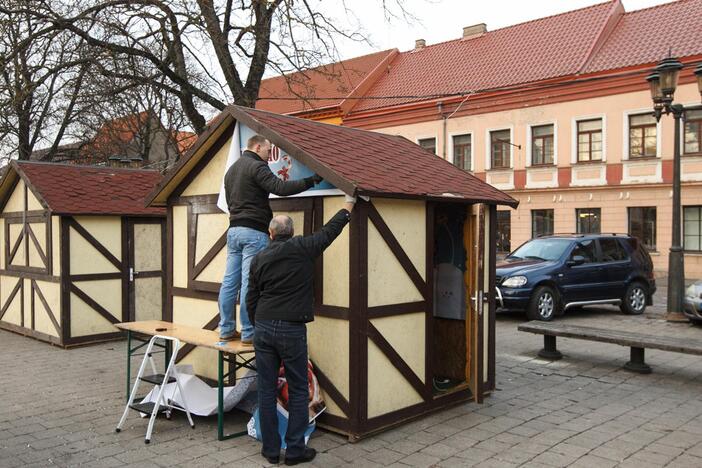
{"x":281,"y":163}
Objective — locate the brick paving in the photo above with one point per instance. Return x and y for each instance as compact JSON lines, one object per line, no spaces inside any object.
{"x":59,"y":407}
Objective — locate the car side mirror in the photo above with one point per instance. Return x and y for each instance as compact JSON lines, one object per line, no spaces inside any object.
{"x":576,"y":260}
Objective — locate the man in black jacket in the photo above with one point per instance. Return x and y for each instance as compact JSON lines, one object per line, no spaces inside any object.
{"x":280,"y":301}
{"x":247,"y":184}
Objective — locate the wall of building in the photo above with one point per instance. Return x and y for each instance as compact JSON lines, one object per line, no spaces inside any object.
{"x":567,"y":179}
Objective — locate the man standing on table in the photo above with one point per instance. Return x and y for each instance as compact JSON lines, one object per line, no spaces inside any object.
{"x":280,"y":302}
{"x":247,"y":184}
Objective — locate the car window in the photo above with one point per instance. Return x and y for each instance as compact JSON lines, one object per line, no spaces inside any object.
{"x":542,"y":249}
{"x":612,"y":251}
{"x":585,"y":249}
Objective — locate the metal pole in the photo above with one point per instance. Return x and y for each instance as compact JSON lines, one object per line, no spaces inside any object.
{"x":676,"y":266}
{"x":220,"y":395}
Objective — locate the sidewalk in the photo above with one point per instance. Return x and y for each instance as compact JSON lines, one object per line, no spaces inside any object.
{"x":60,"y":407}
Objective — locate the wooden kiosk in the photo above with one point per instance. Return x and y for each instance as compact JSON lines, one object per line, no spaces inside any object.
{"x":383,"y":338}
{"x":80,"y":252}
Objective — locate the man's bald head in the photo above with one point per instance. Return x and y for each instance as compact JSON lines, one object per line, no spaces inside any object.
{"x":281,"y":226}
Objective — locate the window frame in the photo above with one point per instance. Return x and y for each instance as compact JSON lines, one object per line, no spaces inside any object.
{"x":699,"y":135}
{"x":429,"y":137}
{"x":553,"y":222}
{"x":452,"y":153}
{"x":530,"y":146}
{"x":629,"y":209}
{"x":577,"y":218}
{"x":574,"y":138}
{"x":589,"y":133}
{"x":626,"y":137}
{"x":699,"y":228}
{"x":497,"y":230}
{"x":488,"y":147}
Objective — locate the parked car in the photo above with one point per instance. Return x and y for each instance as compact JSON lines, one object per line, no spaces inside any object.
{"x":548,"y":275}
{"x":692,"y":303}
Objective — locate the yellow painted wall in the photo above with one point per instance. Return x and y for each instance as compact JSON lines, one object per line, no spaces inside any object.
{"x":148,"y":298}
{"x":84,"y":258}
{"x":406,"y":333}
{"x":56,"y":247}
{"x":209,"y":180}
{"x":328,"y":347}
{"x":19,"y":258}
{"x":332,"y":120}
{"x":16,"y":200}
{"x":27,"y":302}
{"x":336,"y":261}
{"x":210,"y":227}
{"x":387,"y":388}
{"x":388,"y":283}
{"x":180,"y":246}
{"x":85,"y":320}
{"x":13,"y":313}
{"x":196,"y":313}
{"x":39,"y":230}
{"x":32,"y":202}
{"x":52,"y":294}
{"x":2,"y":243}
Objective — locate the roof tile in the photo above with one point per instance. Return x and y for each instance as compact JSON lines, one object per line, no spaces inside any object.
{"x":71,"y":189}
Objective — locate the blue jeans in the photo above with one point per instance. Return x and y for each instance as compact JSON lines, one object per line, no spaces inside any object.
{"x":242,"y":245}
{"x":276,"y":341}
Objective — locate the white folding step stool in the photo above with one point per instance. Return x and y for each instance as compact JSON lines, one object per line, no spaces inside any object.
{"x":160,"y":380}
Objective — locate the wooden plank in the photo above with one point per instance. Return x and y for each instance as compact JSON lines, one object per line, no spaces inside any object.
{"x":190,"y":335}
{"x":619,"y":337}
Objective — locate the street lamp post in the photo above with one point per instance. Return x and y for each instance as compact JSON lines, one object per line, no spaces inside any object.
{"x":663,"y":82}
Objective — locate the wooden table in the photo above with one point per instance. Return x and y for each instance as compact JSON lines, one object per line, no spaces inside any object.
{"x":243,"y":356}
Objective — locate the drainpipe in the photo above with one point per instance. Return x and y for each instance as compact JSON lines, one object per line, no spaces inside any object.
{"x":444,"y":118}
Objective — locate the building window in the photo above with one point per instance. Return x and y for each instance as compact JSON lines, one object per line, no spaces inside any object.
{"x":500,"y":149}
{"x":590,"y":140}
{"x":504,"y":231}
{"x":588,"y":220}
{"x":428,"y":144}
{"x":462,"y":151}
{"x":642,"y":225}
{"x":693,"y":132}
{"x":542,"y":145}
{"x":692,"y":228}
{"x":642,"y":136}
{"x":541,"y":223}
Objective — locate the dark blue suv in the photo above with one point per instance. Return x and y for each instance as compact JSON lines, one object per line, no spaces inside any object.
{"x":548,"y":275}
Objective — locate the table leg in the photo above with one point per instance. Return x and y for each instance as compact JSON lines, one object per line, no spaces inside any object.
{"x":129,"y":361}
{"x":550,"y":351}
{"x":167,"y":353}
{"x":220,"y":395}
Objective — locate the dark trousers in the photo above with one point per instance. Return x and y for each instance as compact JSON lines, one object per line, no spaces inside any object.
{"x":276,"y":341}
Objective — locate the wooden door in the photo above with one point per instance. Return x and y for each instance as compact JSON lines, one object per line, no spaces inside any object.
{"x":146,"y":241}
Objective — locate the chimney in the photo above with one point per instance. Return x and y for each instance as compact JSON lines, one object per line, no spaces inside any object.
{"x":419,"y":44}
{"x":474,"y":30}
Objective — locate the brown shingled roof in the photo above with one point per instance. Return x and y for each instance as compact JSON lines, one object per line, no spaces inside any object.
{"x":356,"y":161}
{"x":88,"y":190}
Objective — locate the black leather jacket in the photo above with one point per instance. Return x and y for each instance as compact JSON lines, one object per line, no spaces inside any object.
{"x":280,"y":281}
{"x":247,"y":184}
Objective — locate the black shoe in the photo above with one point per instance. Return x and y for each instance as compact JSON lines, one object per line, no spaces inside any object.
{"x":272,"y":460}
{"x":307,"y":456}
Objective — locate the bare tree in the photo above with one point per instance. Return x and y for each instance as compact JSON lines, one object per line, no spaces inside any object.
{"x":40,"y":75}
{"x":208,"y":52}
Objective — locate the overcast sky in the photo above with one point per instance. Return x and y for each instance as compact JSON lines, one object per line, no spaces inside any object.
{"x":443,"y":20}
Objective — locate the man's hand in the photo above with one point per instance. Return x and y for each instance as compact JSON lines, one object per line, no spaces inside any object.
{"x":349,"y":203}
{"x":317,"y":179}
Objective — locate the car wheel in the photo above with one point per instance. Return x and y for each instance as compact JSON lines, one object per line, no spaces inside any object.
{"x":543,"y":304}
{"x":634,"y":302}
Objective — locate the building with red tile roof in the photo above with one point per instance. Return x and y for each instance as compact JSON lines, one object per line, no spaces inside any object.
{"x":557,"y":113}
{"x":302,"y":93}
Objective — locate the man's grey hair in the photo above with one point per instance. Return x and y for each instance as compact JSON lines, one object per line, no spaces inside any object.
{"x":256,"y":140}
{"x":282,"y":226}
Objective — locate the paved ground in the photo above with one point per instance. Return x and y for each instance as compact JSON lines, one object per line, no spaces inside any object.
{"x":60,"y":407}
